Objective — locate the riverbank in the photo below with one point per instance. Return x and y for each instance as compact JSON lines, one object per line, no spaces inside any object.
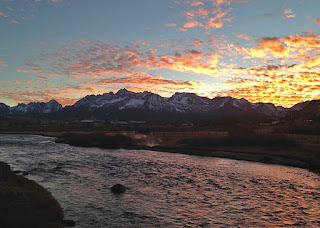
{"x":301,"y":151}
{"x":24,"y":203}
{"x":276,"y":149}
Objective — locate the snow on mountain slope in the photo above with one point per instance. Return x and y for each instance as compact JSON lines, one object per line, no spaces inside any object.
{"x":179,"y":103}
{"x":189,"y":102}
{"x":36,"y":108}
{"x":183,"y":103}
{"x":270,"y":109}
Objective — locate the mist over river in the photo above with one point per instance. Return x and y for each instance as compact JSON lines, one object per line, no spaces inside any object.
{"x":163,"y":189}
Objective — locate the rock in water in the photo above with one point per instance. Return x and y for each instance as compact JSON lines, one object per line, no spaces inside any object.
{"x":69,"y":223}
{"x":118,"y":188}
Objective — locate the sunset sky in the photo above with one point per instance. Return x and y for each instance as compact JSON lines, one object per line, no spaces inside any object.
{"x":264,"y":51}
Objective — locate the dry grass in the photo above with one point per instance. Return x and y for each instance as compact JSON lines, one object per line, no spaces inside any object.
{"x":23,"y":203}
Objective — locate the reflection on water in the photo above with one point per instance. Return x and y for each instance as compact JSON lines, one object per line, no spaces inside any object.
{"x":165,"y":189}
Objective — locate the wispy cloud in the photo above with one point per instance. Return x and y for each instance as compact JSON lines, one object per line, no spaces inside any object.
{"x":3,"y":15}
{"x":208,"y":14}
{"x":24,"y":9}
{"x":98,"y":66}
{"x":288,"y":13}
{"x":242,"y":36}
{"x":15,"y":22}
{"x":171,"y":24}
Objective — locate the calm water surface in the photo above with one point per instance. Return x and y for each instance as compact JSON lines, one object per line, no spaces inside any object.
{"x":165,"y":190}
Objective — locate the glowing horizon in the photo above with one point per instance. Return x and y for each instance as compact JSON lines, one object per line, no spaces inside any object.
{"x":67,"y":49}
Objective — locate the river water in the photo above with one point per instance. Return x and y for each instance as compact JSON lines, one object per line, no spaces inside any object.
{"x":163,"y":189}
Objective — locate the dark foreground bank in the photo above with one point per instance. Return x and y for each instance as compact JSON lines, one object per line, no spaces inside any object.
{"x":257,"y":148}
{"x":24,"y":203}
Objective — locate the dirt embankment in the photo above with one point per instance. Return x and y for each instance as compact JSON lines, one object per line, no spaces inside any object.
{"x":24,"y":203}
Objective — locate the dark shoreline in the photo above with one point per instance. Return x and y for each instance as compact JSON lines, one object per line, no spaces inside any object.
{"x":238,"y":153}
{"x":243,"y":156}
{"x":280,"y":156}
{"x":24,"y":203}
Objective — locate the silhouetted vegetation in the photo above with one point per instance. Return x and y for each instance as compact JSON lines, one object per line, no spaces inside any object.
{"x":96,"y":140}
{"x":306,"y":130}
{"x":242,"y":140}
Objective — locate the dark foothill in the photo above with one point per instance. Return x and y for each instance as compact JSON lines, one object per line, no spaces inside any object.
{"x":69,"y":223}
{"x":118,"y":188}
{"x":25,"y":173}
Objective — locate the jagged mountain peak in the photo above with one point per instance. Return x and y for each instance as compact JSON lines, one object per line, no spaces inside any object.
{"x":124,"y":92}
{"x":36,"y":108}
{"x":52,"y":101}
{"x":148,"y":102}
{"x":180,"y":102}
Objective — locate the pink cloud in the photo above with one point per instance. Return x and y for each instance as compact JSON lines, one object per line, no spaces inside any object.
{"x":288,"y":13}
{"x":191,"y":24}
{"x":197,"y":42}
{"x":214,"y":23}
{"x":171,"y":24}
{"x":3,"y":15}
{"x":145,"y":43}
{"x":3,"y":63}
{"x":15,"y":22}
{"x":242,"y":36}
{"x":196,"y":3}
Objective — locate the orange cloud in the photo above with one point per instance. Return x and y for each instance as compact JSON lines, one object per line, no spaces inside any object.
{"x":295,"y":79}
{"x":147,"y":80}
{"x":196,"y":3}
{"x":288,"y":13}
{"x":191,"y":24}
{"x":145,"y":43}
{"x":242,"y":36}
{"x":267,"y":48}
{"x":3,"y":63}
{"x":205,"y":17}
{"x":213,"y":23}
{"x":281,"y":70}
{"x":100,"y":60}
{"x":282,"y":84}
{"x":198,"y":42}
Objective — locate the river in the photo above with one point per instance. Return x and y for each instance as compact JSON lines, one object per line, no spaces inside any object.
{"x":163,"y":189}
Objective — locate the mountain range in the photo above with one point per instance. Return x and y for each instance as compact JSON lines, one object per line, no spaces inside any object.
{"x":145,"y":105}
{"x":31,"y":108}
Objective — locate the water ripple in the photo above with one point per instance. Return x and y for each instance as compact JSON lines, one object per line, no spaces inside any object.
{"x":165,"y":190}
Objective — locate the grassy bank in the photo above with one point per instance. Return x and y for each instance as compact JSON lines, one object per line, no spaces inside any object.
{"x":266,"y":148}
{"x":24,"y":203}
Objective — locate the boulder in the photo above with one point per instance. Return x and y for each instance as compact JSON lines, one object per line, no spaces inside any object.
{"x":69,"y":223}
{"x":118,"y":188}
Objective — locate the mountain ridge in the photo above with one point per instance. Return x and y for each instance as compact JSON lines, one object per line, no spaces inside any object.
{"x":147,"y":103}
